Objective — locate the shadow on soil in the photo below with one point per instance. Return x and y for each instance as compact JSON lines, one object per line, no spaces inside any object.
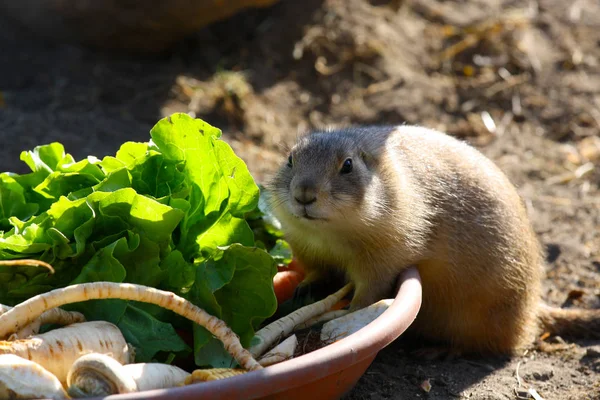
{"x":92,"y":101}
{"x":412,"y":374}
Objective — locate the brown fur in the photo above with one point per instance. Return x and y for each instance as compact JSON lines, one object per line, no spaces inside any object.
{"x":418,"y":197}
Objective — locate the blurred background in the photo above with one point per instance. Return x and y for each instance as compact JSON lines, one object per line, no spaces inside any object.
{"x":518,"y":79}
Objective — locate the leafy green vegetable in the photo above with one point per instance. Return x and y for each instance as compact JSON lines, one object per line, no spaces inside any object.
{"x":13,"y":202}
{"x":236,"y":275}
{"x":221,"y":188}
{"x":281,"y":252}
{"x":172,"y":213}
{"x":266,"y":227}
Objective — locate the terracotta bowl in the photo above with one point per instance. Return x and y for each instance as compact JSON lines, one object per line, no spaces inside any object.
{"x":327,"y":373}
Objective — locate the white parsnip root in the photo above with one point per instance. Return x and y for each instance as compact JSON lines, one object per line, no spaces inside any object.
{"x":24,"y":379}
{"x":150,"y":376}
{"x":24,"y":313}
{"x":328,"y":316}
{"x":283,"y":351}
{"x":58,"y":349}
{"x":56,"y":316}
{"x":98,"y":375}
{"x":346,"y":325}
{"x":101,"y":375}
{"x":27,"y":263}
{"x":4,"y":308}
{"x":285,"y":325}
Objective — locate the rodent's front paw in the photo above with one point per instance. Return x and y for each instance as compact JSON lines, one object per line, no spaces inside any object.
{"x":362,"y":299}
{"x":301,"y":291}
{"x":311,"y":290}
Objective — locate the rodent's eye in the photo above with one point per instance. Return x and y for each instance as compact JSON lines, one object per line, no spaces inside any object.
{"x":289,"y":164}
{"x":347,"y":166}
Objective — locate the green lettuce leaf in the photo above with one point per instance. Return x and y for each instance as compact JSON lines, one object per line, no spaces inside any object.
{"x":149,"y":335}
{"x":238,"y":274}
{"x":171,"y":213}
{"x":221,"y":188}
{"x":13,"y":202}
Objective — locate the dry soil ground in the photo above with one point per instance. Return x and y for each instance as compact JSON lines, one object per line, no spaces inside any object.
{"x":520,"y":79}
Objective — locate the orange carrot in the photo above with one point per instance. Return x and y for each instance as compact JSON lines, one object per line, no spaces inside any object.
{"x":340,"y":304}
{"x":285,"y":283}
{"x":295,"y":265}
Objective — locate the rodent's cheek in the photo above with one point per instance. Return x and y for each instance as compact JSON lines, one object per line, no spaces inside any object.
{"x":281,"y":204}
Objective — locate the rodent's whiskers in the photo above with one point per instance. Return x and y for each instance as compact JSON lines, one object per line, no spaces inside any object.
{"x":333,"y":204}
{"x":278,"y":199}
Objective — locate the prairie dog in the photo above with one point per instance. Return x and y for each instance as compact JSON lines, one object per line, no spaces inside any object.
{"x":371,"y":201}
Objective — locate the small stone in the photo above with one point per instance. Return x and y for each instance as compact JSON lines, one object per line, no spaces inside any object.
{"x":589,"y":148}
{"x":543,"y":376}
{"x":426,"y":385}
{"x":523,"y":394}
{"x":537,"y":370}
{"x":593,"y":352}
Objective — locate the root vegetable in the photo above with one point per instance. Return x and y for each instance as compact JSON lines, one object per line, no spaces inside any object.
{"x":54,"y":316}
{"x":98,"y":375}
{"x":328,"y":316}
{"x":150,"y":376}
{"x":213,"y":374}
{"x":24,"y":379}
{"x":101,"y":375}
{"x":346,"y":325}
{"x":27,"y":263}
{"x":340,"y":304}
{"x":285,"y":325}
{"x":58,"y":349}
{"x":295,"y":265}
{"x":25,"y":312}
{"x":284,"y":284}
{"x":283,"y":351}
{"x":4,"y":308}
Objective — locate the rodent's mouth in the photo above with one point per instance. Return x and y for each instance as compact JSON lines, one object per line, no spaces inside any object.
{"x":307,"y":216}
{"x":306,"y":212}
{"x":311,"y":218}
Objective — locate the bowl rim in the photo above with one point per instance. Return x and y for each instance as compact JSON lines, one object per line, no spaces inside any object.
{"x":312,"y":366}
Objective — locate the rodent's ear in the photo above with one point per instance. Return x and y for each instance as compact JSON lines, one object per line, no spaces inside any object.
{"x":365,"y":157}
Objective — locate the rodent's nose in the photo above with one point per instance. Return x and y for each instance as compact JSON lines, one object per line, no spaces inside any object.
{"x":305,"y":194}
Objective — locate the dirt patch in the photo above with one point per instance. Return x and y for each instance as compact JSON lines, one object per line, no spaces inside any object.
{"x":519,"y":79}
